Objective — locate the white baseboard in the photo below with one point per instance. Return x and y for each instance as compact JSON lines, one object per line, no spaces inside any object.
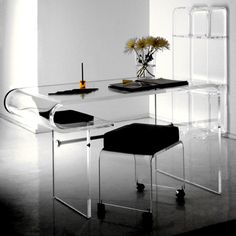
{"x":230,"y":135}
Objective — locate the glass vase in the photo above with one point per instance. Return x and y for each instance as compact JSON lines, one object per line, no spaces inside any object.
{"x":145,"y":69}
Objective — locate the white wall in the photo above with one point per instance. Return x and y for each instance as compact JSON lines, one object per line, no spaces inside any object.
{"x":95,"y":33}
{"x":160,"y":24}
{"x":18,"y":45}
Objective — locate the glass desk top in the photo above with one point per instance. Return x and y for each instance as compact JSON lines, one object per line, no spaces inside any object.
{"x":35,"y":100}
{"x":103,"y":92}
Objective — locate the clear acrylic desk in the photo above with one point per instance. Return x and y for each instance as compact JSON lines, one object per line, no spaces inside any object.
{"x":29,"y":102}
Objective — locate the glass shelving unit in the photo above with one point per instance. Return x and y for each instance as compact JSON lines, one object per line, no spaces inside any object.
{"x":200,"y":53}
{"x":199,"y":39}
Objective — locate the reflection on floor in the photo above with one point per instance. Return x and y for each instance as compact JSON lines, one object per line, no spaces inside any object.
{"x":27,"y":208}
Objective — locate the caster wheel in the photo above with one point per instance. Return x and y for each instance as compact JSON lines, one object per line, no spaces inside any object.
{"x":180,"y":193}
{"x":180,"y":196}
{"x":101,"y":210}
{"x":140,"y":187}
{"x":147,"y":220}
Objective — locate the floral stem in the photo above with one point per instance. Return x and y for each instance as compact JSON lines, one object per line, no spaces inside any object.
{"x":141,"y":71}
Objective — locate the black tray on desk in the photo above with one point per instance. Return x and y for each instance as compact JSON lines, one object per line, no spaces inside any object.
{"x":74,"y":91}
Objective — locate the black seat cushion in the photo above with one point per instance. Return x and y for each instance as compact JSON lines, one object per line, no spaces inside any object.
{"x":71,"y":116}
{"x":68,"y":116}
{"x":144,"y":139}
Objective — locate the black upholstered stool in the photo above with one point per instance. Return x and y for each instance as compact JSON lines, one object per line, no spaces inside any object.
{"x":140,"y":139}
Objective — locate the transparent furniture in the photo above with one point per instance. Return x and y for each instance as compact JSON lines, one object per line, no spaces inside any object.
{"x":144,"y":140}
{"x":32,"y":103}
{"x":200,"y":52}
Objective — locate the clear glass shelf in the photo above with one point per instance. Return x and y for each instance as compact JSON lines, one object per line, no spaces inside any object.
{"x":200,"y":22}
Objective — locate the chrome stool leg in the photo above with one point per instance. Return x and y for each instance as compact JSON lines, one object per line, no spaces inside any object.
{"x":100,"y":206}
{"x":147,"y":216}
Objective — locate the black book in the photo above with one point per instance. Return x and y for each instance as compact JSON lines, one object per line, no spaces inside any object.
{"x":163,"y":83}
{"x":147,"y":84}
{"x":133,"y":86}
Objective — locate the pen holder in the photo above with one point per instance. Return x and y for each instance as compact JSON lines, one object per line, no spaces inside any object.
{"x":82,"y":84}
